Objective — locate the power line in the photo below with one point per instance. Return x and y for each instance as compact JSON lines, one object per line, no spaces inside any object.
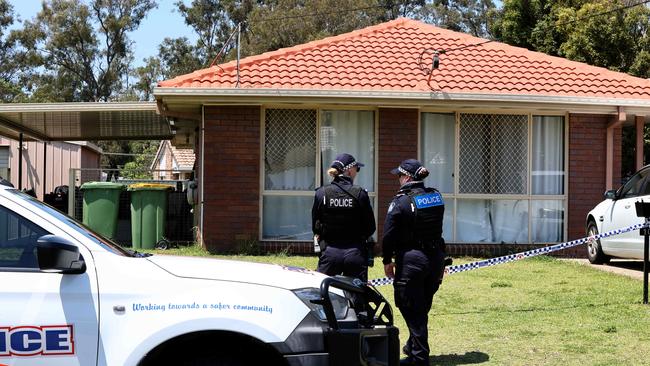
{"x":321,"y":13}
{"x":625,"y":7}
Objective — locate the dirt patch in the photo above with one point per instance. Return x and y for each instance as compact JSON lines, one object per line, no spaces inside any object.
{"x":625,"y":267}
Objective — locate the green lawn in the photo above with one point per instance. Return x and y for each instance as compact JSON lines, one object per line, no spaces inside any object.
{"x":539,"y":311}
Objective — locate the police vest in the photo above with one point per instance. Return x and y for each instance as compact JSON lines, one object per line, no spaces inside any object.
{"x":428,"y":210}
{"x":341,"y":214}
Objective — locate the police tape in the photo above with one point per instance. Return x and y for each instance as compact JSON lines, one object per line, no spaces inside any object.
{"x":518,"y":256}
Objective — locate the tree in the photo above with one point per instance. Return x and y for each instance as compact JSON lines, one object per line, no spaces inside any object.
{"x":469,"y":16}
{"x":9,"y":68}
{"x":616,"y":40}
{"x":138,"y":168}
{"x":590,"y":31}
{"x":86,"y":63}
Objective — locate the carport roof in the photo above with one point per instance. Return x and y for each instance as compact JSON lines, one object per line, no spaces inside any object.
{"x":84,"y":121}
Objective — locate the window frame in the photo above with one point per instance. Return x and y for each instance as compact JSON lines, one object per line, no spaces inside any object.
{"x":455,"y":196}
{"x":318,"y":177}
{"x":33,"y":225}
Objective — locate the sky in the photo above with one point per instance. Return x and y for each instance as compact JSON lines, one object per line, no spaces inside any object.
{"x":160,"y":23}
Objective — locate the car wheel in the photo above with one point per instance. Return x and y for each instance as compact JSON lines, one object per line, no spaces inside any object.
{"x":594,"y":250}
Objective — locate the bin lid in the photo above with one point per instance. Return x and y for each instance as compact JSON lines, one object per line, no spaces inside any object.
{"x":102,"y":185}
{"x":149,"y":187}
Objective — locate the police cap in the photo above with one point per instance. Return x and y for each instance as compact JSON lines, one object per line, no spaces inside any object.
{"x":345,"y":161}
{"x":411,"y":168}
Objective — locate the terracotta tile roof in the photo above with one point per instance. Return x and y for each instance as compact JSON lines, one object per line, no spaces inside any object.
{"x":184,"y":157}
{"x":385,"y":57}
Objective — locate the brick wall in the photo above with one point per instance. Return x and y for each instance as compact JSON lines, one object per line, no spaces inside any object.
{"x":233,"y":172}
{"x":232,"y":176}
{"x":587,"y":162}
{"x":398,"y":140}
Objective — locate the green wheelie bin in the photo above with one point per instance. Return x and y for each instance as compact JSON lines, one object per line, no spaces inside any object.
{"x":101,"y":204}
{"x":148,"y":213}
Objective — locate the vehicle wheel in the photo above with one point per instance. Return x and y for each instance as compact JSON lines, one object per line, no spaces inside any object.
{"x":163,"y":244}
{"x":594,"y":250}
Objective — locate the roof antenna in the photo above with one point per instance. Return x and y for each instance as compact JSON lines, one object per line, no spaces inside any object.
{"x":238,"y":50}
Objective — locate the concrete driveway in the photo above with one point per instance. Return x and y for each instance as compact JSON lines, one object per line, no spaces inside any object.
{"x":625,"y":267}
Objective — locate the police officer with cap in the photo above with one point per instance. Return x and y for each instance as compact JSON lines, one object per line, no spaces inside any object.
{"x":413,"y":234}
{"x":342,"y":221}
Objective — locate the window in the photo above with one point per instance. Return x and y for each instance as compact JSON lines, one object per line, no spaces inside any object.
{"x":548,"y":155}
{"x":493,"y":156}
{"x":437,"y":143}
{"x":294,"y":141}
{"x":18,"y":237}
{"x":351,"y":132}
{"x":509,"y":186}
{"x":634,"y":186}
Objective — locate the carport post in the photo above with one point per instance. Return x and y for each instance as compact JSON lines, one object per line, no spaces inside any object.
{"x":44,"y":169}
{"x":71,"y":192}
{"x":20,"y":161}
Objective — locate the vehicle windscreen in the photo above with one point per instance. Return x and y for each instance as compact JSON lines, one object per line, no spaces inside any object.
{"x":73,"y":224}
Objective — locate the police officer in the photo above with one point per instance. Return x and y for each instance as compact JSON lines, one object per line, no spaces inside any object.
{"x":413,"y":234}
{"x":342,"y":220}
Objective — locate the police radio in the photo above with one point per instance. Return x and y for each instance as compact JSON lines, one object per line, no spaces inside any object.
{"x":316,"y":245}
{"x":370,"y":249}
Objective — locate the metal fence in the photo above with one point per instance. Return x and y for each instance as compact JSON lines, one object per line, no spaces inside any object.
{"x":179,"y":219}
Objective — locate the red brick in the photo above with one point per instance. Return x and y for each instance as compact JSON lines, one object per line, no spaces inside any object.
{"x":232,"y":156}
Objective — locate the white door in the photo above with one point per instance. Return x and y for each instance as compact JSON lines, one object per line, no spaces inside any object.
{"x":622,"y":214}
{"x":46,"y":318}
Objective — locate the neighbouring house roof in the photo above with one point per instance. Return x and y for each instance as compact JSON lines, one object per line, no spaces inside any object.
{"x":184,"y":158}
{"x":385,"y":57}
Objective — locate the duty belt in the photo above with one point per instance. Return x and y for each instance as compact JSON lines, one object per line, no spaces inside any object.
{"x":420,"y":245}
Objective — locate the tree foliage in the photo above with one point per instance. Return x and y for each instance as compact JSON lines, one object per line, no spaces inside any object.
{"x":593,"y":32}
{"x":469,"y":16}
{"x":9,"y":67}
{"x":81,"y":48}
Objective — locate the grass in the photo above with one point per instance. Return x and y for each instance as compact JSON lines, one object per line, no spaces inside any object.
{"x":540,"y":311}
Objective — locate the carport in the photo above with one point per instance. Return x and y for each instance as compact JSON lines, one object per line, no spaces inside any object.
{"x":48,"y":122}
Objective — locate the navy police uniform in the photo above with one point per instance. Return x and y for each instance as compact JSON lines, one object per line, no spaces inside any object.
{"x":343,"y":219}
{"x":413,"y":234}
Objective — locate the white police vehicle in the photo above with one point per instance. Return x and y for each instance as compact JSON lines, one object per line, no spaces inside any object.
{"x":618,"y":211}
{"x":71,"y":297}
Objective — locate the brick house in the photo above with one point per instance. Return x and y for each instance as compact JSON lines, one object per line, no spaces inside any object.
{"x":172,"y":163}
{"x":521,"y":144}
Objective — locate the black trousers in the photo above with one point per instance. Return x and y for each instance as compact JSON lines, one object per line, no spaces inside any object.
{"x":350,"y":262}
{"x":417,"y":278}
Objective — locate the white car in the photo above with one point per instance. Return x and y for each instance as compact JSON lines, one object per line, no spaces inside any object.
{"x":618,"y":211}
{"x":71,"y":297}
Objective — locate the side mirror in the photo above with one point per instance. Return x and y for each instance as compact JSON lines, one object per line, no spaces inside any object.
{"x":58,"y":255}
{"x":610,"y":195}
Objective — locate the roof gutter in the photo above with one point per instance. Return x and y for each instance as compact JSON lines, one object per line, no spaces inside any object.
{"x":388,"y":98}
{"x":77,"y":107}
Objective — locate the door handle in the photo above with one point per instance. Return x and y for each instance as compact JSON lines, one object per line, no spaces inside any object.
{"x":627,"y":206}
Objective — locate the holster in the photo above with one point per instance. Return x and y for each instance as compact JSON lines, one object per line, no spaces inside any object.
{"x":370,"y":252}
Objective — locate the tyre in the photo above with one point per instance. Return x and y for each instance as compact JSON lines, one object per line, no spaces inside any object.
{"x":594,"y":250}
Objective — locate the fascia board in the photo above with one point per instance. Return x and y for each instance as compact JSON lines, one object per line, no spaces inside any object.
{"x":387,"y":98}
